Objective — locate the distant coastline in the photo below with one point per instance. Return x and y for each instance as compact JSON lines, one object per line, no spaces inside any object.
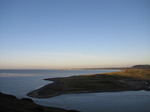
{"x":110,"y":68}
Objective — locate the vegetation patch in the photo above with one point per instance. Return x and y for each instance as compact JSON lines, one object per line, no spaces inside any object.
{"x":125,"y":80}
{"x":133,"y":73}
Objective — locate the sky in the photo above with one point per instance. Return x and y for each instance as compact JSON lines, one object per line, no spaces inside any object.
{"x":46,"y":34}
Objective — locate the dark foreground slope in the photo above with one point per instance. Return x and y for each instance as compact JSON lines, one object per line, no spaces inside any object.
{"x":127,"y":80}
{"x":9,"y":103}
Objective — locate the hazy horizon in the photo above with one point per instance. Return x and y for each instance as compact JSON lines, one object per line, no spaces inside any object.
{"x":63,"y":68}
{"x":51,"y":34}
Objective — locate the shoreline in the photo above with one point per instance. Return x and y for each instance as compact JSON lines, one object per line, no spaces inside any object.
{"x":35,"y":93}
{"x":10,"y":103}
{"x":104,"y":82}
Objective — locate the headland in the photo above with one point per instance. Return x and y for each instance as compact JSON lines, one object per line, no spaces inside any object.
{"x":129,"y":79}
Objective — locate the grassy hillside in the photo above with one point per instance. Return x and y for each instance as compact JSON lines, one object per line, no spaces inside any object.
{"x":95,"y":82}
{"x":107,"y":80}
{"x":133,"y":73}
{"x":125,"y":80}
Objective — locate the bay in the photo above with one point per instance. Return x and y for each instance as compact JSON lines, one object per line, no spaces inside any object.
{"x":20,"y":82}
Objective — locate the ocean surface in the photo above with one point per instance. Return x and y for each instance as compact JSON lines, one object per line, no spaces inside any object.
{"x":20,"y":82}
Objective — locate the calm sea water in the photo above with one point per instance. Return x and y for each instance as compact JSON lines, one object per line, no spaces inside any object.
{"x":20,"y":82}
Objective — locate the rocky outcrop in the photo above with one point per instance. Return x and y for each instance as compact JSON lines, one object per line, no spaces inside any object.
{"x":9,"y":103}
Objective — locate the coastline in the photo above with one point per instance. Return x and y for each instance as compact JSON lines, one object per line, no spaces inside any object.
{"x":90,"y":84}
{"x":10,"y":103}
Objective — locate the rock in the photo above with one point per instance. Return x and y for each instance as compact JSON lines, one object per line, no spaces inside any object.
{"x":6,"y":95}
{"x":38,"y":109}
{"x":27,"y":99}
{"x":9,"y":103}
{"x":73,"y":111}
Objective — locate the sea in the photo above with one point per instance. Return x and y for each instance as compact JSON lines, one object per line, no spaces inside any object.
{"x":20,"y":82}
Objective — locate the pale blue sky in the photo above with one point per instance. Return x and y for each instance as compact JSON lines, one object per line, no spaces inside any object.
{"x":43,"y":34}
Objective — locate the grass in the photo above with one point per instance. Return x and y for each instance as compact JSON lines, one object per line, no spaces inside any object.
{"x":133,"y":73}
{"x":94,"y":82}
{"x":127,"y":79}
{"x":106,"y":80}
